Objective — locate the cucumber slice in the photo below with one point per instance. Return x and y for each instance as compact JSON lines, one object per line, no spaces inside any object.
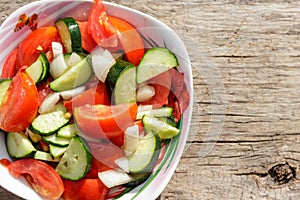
{"x":76,"y":161}
{"x":121,"y":82}
{"x":70,"y":34}
{"x":125,"y":88}
{"x":115,"y":72}
{"x":155,"y":61}
{"x":72,"y":59}
{"x":56,"y":151}
{"x":39,"y":70}
{"x":163,"y":129}
{"x":18,"y":145}
{"x":41,"y":155}
{"x":73,"y":77}
{"x":145,"y":157}
{"x":159,"y":112}
{"x":57,"y":141}
{"x":68,"y":131}
{"x":47,"y":124}
{"x":4,"y":85}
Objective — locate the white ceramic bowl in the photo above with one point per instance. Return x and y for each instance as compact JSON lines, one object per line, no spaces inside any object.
{"x":150,"y":28}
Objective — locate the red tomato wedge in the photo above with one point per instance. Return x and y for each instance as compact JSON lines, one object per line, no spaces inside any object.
{"x":162,"y":86}
{"x":43,"y":178}
{"x":92,"y":96}
{"x":102,"y":121}
{"x":100,"y":27}
{"x":130,"y":39}
{"x":20,"y":105}
{"x":85,"y":189}
{"x":179,"y":97}
{"x":88,"y":43}
{"x":36,"y":42}
{"x":9,"y":69}
{"x":104,"y":156}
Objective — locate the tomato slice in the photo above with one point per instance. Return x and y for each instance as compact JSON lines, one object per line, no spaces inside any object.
{"x":9,"y":69}
{"x":43,"y":178}
{"x":20,"y":105}
{"x":37,"y":41}
{"x":88,"y":43}
{"x":130,"y":39}
{"x":85,"y":189}
{"x":99,"y":26}
{"x":102,"y":121}
{"x":162,"y":87}
{"x":104,"y":156}
{"x":179,"y":97}
{"x":92,"y":96}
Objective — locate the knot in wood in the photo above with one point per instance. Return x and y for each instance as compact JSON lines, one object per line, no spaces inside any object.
{"x":282,"y":173}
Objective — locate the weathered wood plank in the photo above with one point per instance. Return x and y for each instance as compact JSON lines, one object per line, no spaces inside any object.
{"x":250,"y":51}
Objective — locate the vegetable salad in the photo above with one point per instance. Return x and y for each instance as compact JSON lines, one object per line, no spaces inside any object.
{"x":85,"y":104}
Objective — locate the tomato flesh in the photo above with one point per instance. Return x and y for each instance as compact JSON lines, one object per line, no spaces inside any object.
{"x":9,"y":69}
{"x":93,"y":96}
{"x":43,"y":178}
{"x":106,"y":122}
{"x":36,"y":42}
{"x":88,"y":43}
{"x":99,"y":26}
{"x":130,"y":39}
{"x":85,"y":189}
{"x":162,"y":87}
{"x":20,"y":105}
{"x":104,"y":156}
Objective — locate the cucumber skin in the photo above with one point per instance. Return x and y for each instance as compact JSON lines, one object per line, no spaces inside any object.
{"x":114,"y":73}
{"x":142,"y":177}
{"x":46,"y":68}
{"x":75,"y":35}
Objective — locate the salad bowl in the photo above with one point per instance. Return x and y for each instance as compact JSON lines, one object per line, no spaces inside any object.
{"x":153,"y":32}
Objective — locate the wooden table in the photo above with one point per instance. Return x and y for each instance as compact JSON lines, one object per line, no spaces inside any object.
{"x":245,"y":135}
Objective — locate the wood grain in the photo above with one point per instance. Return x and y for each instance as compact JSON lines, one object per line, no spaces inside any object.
{"x":245,"y":135}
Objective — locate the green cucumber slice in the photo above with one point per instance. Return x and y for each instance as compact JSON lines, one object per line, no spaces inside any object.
{"x":76,"y":161}
{"x":68,"y":131}
{"x":70,"y":34}
{"x":114,"y":74}
{"x":159,"y":112}
{"x":125,"y":88}
{"x":155,"y":61}
{"x":18,"y":145}
{"x":73,"y":77}
{"x":4,"y":85}
{"x":41,"y":155}
{"x":56,"y":151}
{"x":163,"y":129}
{"x":39,"y":70}
{"x":47,"y":124}
{"x":57,"y":141}
{"x":146,"y":156}
{"x":72,"y":59}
